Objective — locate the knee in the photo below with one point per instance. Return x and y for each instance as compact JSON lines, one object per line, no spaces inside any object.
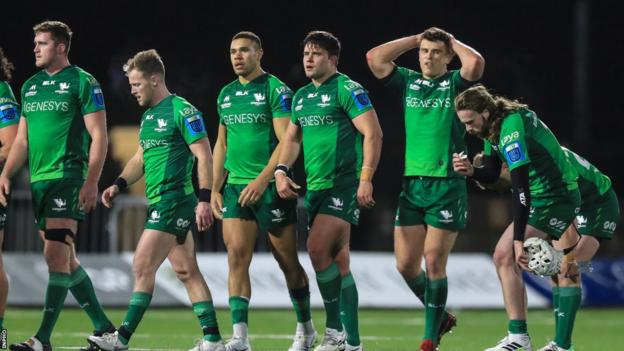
{"x":435,"y":264}
{"x":503,"y":258}
{"x":407,"y":268}
{"x":142,"y":270}
{"x":239,"y":257}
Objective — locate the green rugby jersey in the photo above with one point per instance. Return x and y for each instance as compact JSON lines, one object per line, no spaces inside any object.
{"x":525,"y":139}
{"x":166,"y":132}
{"x":54,"y":107}
{"x":247,"y":112}
{"x":332,"y":146}
{"x":591,"y":182}
{"x":432,"y":130}
{"x":9,"y":108}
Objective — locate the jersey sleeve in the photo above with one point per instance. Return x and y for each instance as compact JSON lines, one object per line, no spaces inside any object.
{"x":9,"y":109}
{"x":219,"y":108}
{"x":397,"y":79}
{"x":459,"y":82}
{"x":190,"y":122}
{"x":280,"y":98}
{"x":293,"y":113}
{"x":353,"y":98}
{"x":513,"y":141}
{"x":90,"y":94}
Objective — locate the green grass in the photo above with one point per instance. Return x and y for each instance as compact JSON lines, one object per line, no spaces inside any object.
{"x":381,"y":330}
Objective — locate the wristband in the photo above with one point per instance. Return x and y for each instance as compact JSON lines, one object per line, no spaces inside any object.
{"x":121,"y":183}
{"x":366,"y":175}
{"x":281,"y":168}
{"x":204,"y":195}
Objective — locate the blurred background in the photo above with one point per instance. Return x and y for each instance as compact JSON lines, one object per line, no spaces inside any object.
{"x":560,"y":57}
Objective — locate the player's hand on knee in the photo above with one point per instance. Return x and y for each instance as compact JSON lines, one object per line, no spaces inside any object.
{"x":252,"y":192}
{"x":203,"y":216}
{"x":216,"y":204}
{"x":109,"y":194}
{"x":5,"y":190}
{"x":87,"y":198}
{"x":365,"y":194}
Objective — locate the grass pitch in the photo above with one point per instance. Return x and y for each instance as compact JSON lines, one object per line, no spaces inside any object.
{"x":381,"y":330}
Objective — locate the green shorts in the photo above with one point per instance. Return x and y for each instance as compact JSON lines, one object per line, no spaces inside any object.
{"x":2,"y":217}
{"x":599,"y":218}
{"x":439,"y":202}
{"x":173,"y":216}
{"x":270,"y":211}
{"x":339,"y":201}
{"x":555,"y":214}
{"x":56,"y":198}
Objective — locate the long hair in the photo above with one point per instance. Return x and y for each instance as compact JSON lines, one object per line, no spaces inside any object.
{"x":6,"y":67}
{"x":479,"y":99}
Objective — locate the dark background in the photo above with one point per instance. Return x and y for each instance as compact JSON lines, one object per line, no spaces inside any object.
{"x":560,"y":57}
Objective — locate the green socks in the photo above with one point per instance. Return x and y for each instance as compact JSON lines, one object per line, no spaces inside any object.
{"x":349,"y":309}
{"x":239,"y":307}
{"x":517,"y":326}
{"x":329,"y":283}
{"x":301,"y":303}
{"x":555,"y":303}
{"x":136,"y":308}
{"x":569,"y":303}
{"x":205,"y":312}
{"x":418,"y":284}
{"x":56,"y":292}
{"x":81,"y":287}
{"x":435,"y":303}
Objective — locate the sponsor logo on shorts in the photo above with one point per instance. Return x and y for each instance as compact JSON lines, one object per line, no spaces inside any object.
{"x":224,"y":209}
{"x":581,"y":221}
{"x":356,"y":214}
{"x":59,"y":204}
{"x":557,"y":224}
{"x":447,"y":216}
{"x":182,"y":223}
{"x":154,"y":217}
{"x":279,"y":215}
{"x":2,"y":218}
{"x":609,"y":226}
{"x":337,"y":204}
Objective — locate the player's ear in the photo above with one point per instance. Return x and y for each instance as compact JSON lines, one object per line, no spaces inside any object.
{"x":486,"y":114}
{"x":154,"y":78}
{"x":260,"y":54}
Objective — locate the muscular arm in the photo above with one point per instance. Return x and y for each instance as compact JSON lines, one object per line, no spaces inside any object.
{"x":133,"y":171}
{"x":381,"y":58}
{"x":471,"y":60}
{"x":201,"y":150}
{"x":96,"y":127}
{"x":368,"y":125}
{"x":18,"y":152}
{"x":7,"y":136}
{"x":279,"y":125}
{"x":218,"y":170}
{"x":290,"y":145}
